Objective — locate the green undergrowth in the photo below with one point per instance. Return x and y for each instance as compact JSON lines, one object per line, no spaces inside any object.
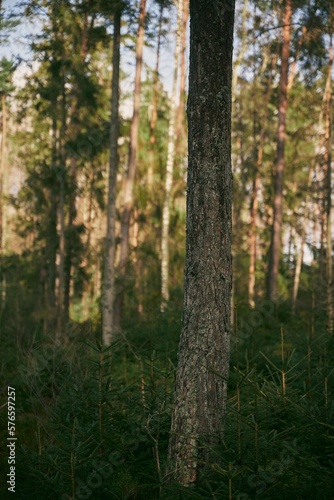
{"x":94,"y":422}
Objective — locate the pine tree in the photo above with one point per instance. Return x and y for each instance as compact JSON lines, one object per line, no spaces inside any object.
{"x":203,"y":358}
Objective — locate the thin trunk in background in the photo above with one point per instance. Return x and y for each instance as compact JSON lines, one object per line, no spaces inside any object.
{"x":109,"y":262}
{"x":130,"y":175}
{"x":169,"y":169}
{"x":180,"y":119}
{"x":72,"y":212}
{"x":255,"y":189}
{"x":72,"y":183}
{"x":61,"y":218}
{"x":275,"y":247}
{"x":52,"y":237}
{"x":154,"y":115}
{"x":299,"y":263}
{"x":328,"y":166}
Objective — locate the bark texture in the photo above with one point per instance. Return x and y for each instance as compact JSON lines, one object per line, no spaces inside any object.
{"x":275,"y":246}
{"x":203,"y":359}
{"x":109,"y":271}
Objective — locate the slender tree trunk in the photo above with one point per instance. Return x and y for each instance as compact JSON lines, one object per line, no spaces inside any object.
{"x":61,"y":267}
{"x":61,"y":217}
{"x":72,"y":187}
{"x":275,"y":246}
{"x":299,"y":263}
{"x":203,"y":358}
{"x":169,"y":169}
{"x":180,"y":125}
{"x":69,"y":239}
{"x":52,"y":237}
{"x":109,"y":262}
{"x":255,"y":203}
{"x":154,"y":115}
{"x":252,"y":237}
{"x":328,"y":163}
{"x":130,"y":176}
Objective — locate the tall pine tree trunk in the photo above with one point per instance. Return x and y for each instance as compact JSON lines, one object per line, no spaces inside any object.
{"x":130,"y":176}
{"x":74,"y":128}
{"x":109,"y":262}
{"x":254,"y":202}
{"x":275,"y":247}
{"x":169,"y":169}
{"x":52,"y":237}
{"x":203,"y":358}
{"x":328,"y":164}
{"x":180,"y":126}
{"x":61,"y":218}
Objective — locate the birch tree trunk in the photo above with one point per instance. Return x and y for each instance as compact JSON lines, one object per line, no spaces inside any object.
{"x":109,"y":262}
{"x":130,"y":176}
{"x":203,"y":358}
{"x":275,"y":247}
{"x":170,"y":168}
{"x":154,"y":115}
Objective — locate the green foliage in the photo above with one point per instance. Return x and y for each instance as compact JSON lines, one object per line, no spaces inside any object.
{"x":95,"y":421}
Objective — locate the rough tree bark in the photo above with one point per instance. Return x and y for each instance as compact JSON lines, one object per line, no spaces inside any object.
{"x":130,"y":176}
{"x":275,"y":246}
{"x":170,"y":168}
{"x":203,"y":358}
{"x":109,"y":271}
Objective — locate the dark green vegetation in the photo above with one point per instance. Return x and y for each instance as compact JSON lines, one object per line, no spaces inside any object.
{"x":97,"y":420}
